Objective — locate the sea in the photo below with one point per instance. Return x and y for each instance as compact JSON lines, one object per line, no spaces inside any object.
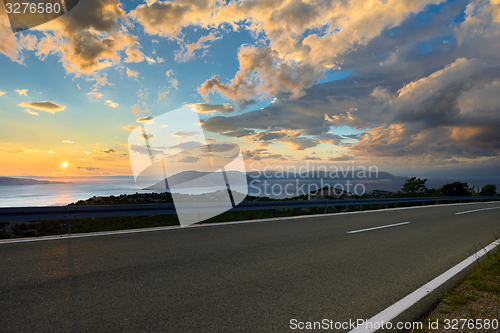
{"x":63,"y":194}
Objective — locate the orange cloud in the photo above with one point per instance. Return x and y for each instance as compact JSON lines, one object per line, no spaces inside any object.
{"x":131,"y":73}
{"x":45,"y":106}
{"x":111,"y":104}
{"x":89,"y":38}
{"x":94,"y":96}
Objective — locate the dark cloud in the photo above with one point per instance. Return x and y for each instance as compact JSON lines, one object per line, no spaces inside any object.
{"x":144,"y":119}
{"x":145,"y":151}
{"x":45,"y":106}
{"x":341,"y":158}
{"x":239,"y":133}
{"x":88,"y":168}
{"x":311,"y":158}
{"x":212,"y":108}
{"x":184,"y":134}
{"x":189,"y":159}
{"x":186,"y":145}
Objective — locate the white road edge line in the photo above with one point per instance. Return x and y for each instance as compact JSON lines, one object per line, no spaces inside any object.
{"x":133,"y":231}
{"x":476,"y":210}
{"x":397,"y":308}
{"x":374,"y":228}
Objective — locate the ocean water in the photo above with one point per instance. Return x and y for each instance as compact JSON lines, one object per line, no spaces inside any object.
{"x":63,"y":194}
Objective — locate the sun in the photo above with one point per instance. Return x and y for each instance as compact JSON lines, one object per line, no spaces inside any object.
{"x":64,"y":164}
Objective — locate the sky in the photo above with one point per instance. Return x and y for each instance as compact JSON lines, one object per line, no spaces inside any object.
{"x":409,"y":86}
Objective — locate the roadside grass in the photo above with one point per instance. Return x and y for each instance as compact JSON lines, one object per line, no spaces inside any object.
{"x":477,"y":298}
{"x":58,"y":227}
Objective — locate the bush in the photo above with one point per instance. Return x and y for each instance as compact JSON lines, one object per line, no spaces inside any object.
{"x":456,"y":189}
{"x":488,"y":190}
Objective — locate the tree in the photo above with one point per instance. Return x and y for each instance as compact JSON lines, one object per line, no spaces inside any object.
{"x":456,"y":189}
{"x":488,"y":190}
{"x":414,"y":187}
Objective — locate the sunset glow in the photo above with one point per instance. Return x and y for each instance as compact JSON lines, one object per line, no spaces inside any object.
{"x":409,"y":86}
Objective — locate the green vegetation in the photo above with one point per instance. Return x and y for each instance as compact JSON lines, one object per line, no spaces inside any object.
{"x":488,"y":190}
{"x":414,"y":187}
{"x":482,"y":284}
{"x":456,"y":189}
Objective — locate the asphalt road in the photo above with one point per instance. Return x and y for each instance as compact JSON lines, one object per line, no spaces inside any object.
{"x":252,"y":277}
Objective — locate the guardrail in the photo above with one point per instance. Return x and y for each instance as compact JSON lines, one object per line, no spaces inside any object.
{"x":78,"y":212}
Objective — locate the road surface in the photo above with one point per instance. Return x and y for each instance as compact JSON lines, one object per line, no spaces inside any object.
{"x":251,"y":277}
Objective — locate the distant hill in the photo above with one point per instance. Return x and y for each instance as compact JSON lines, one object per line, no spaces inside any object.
{"x":208,"y":179}
{"x":321,"y":174}
{"x":8,"y":181}
{"x":196,"y":179}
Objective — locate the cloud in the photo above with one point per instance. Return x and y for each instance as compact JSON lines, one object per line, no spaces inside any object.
{"x":136,"y":109}
{"x":44,"y":106}
{"x":166,"y":19}
{"x":106,"y":151}
{"x":87,"y":168}
{"x":111,"y":104}
{"x":243,"y":104}
{"x":13,"y":148}
{"x":174,"y":83}
{"x":300,"y":143}
{"x":183,"y":134}
{"x":239,"y":133}
{"x":273,"y":156}
{"x":345,"y":119}
{"x":211,"y":108}
{"x":31,"y":112}
{"x":263,"y":73}
{"x":129,"y":127}
{"x":341,"y":158}
{"x":9,"y":42}
{"x":269,"y":136}
{"x":186,"y":145}
{"x":219,"y":147}
{"x":161,"y":95}
{"x":381,"y":94}
{"x":189,"y":159}
{"x":90,"y":38}
{"x":304,"y":38}
{"x":131,"y":73}
{"x":186,"y":53}
{"x":144,"y":119}
{"x":147,"y":136}
{"x":486,"y":97}
{"x":22,"y":92}
{"x":2,"y":93}
{"x":482,"y":19}
{"x":155,"y":151}
{"x":424,"y":100}
{"x":94,"y":96}
{"x":150,"y":60}
{"x":67,"y":141}
{"x":311,"y":158}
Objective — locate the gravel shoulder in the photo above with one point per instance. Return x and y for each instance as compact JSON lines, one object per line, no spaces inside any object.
{"x":473,"y":306}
